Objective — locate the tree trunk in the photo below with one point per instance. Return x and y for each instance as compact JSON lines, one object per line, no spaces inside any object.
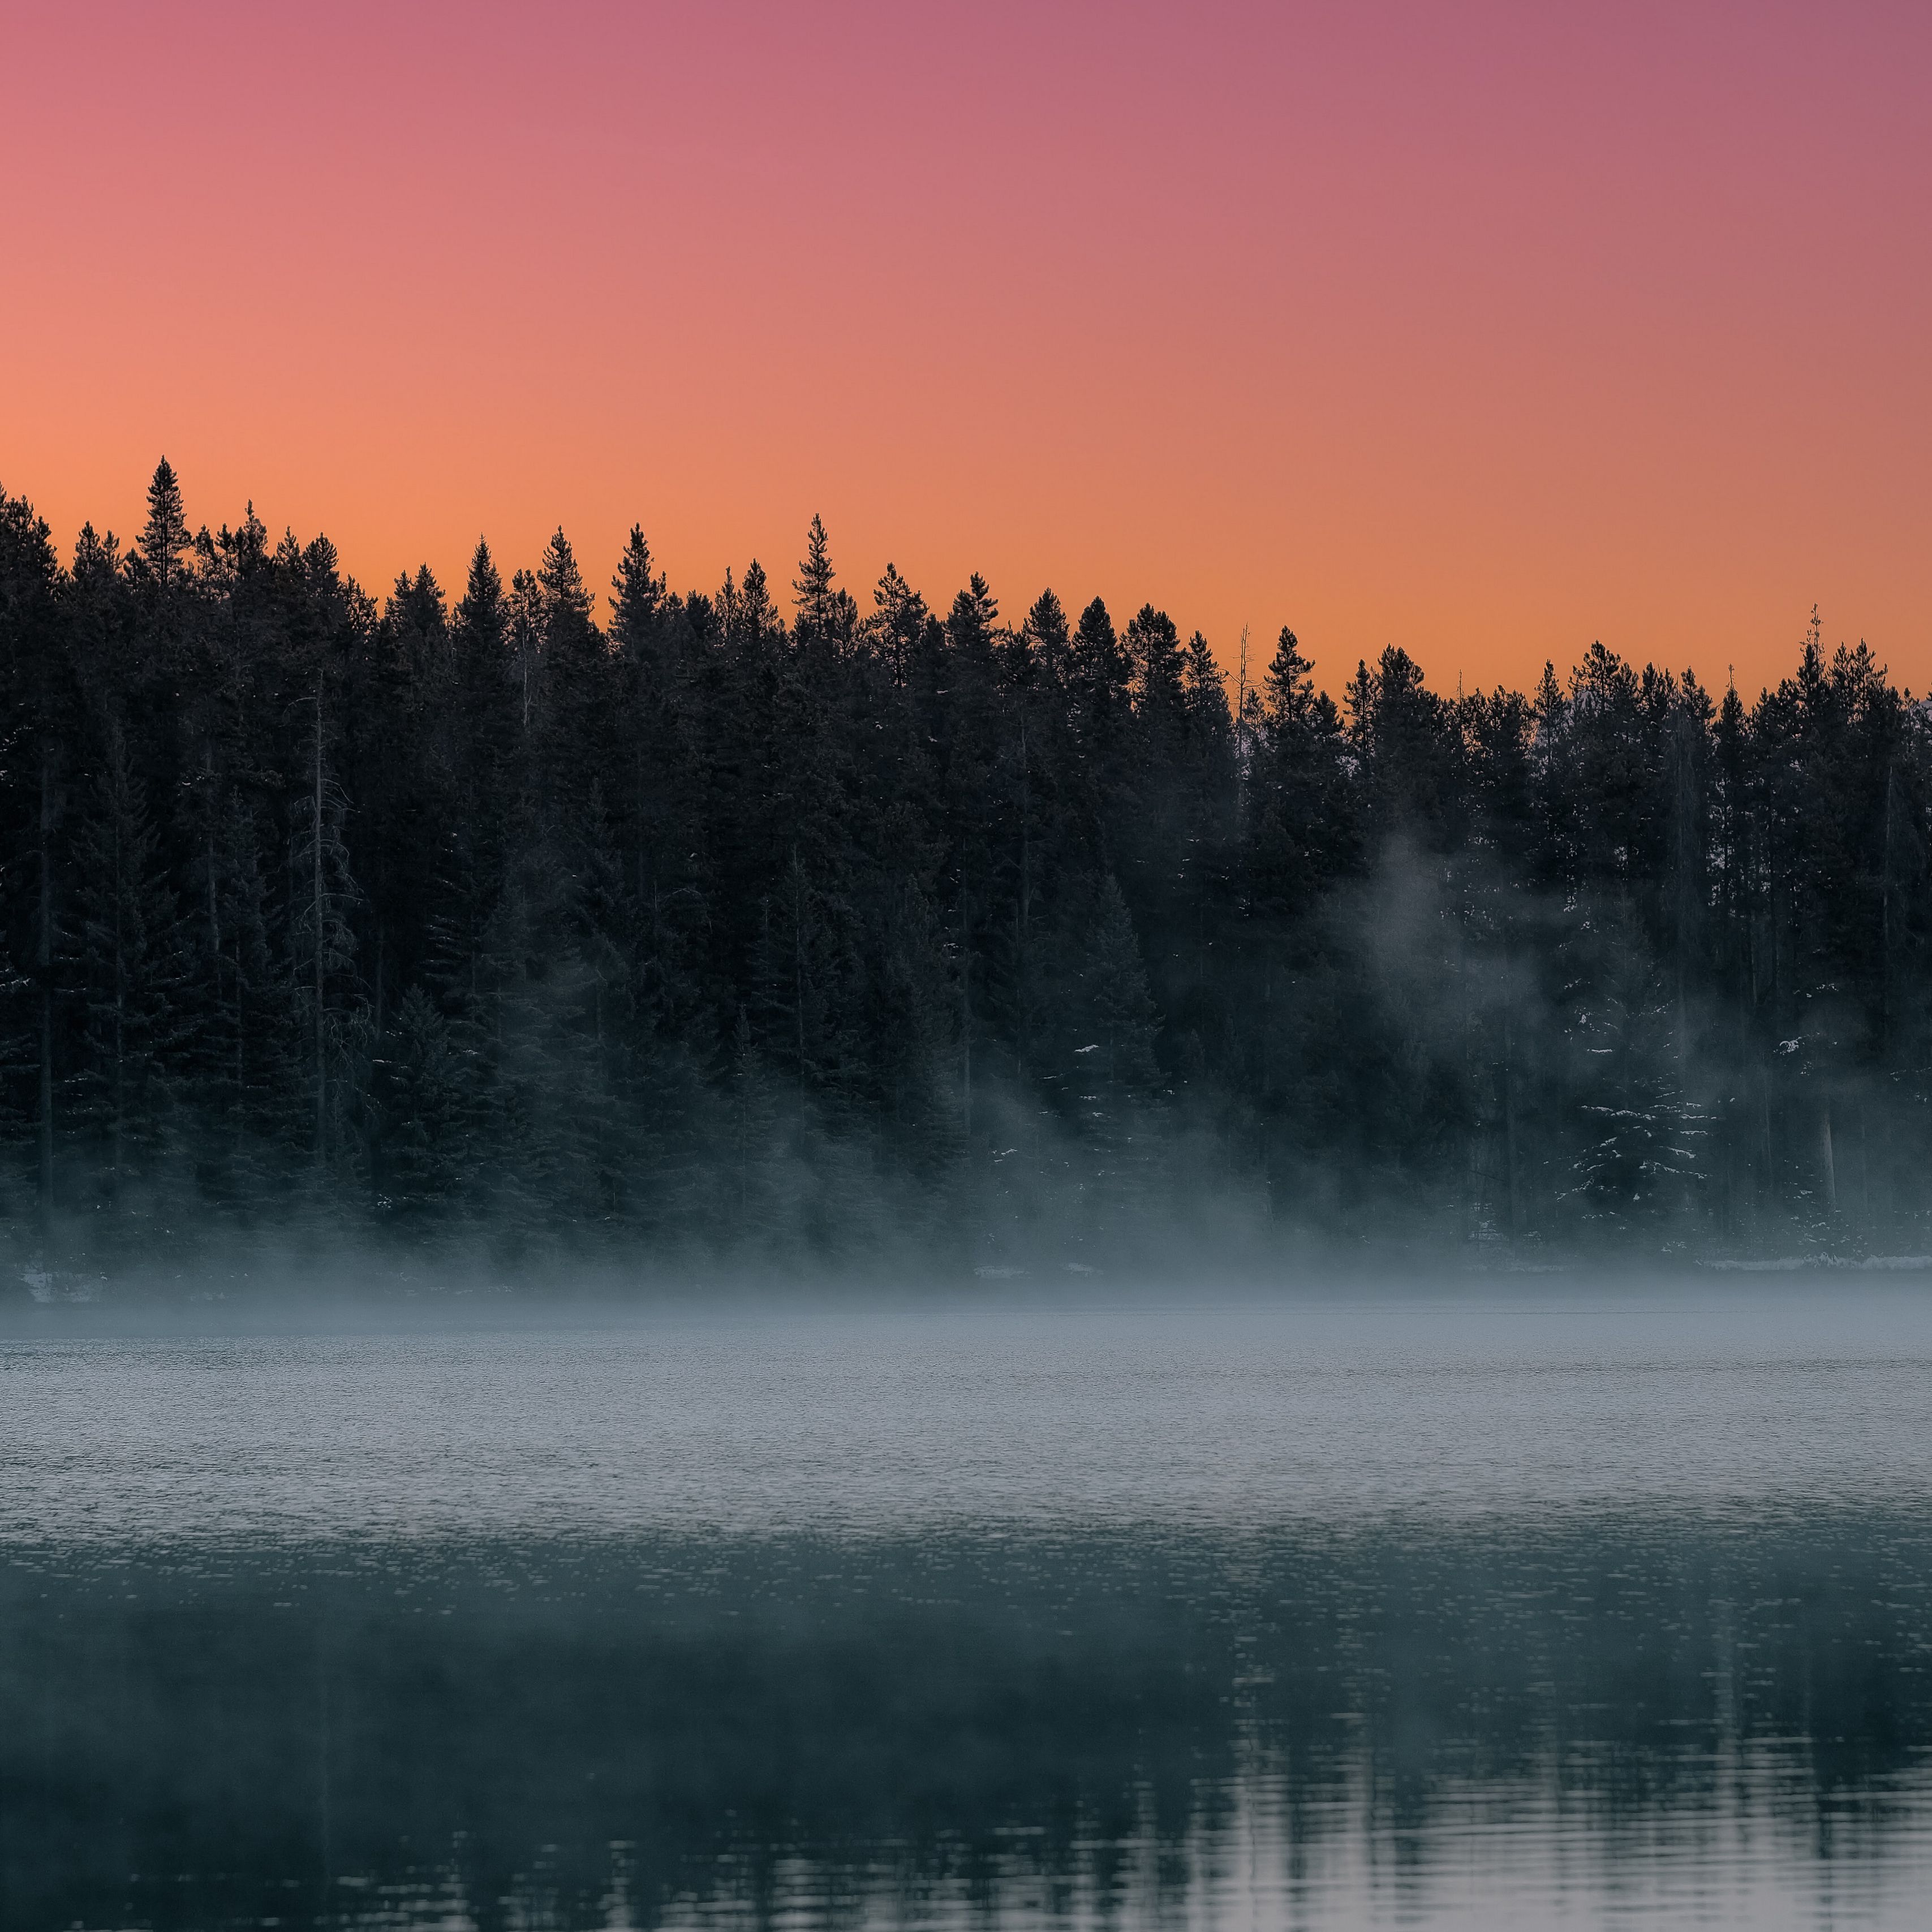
{"x":45,"y":962}
{"x":1509,"y":1111}
{"x":117,"y":1148}
{"x":966,"y":1019}
{"x":321,"y":1032}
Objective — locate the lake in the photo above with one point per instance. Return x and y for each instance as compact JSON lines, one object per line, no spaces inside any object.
{"x":1456,"y":1610}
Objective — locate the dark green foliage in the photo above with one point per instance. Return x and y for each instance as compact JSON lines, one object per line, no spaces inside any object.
{"x":718,"y":932}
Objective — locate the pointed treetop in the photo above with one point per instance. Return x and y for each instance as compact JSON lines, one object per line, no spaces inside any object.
{"x":637,"y":594}
{"x":562,"y":582}
{"x":898,"y":616}
{"x":813,"y":583}
{"x":1289,"y":698}
{"x":892,"y":591}
{"x":1153,"y":648}
{"x":481,"y":615}
{"x":1205,"y":684}
{"x":165,"y":535}
{"x":1097,"y":667}
{"x":27,"y":554}
{"x":95,"y":557}
{"x":969,"y":624}
{"x":826,"y":615}
{"x":251,"y":540}
{"x":1045,"y":624}
{"x":1547,"y":706}
{"x":485,"y":583}
{"x":986,"y":605}
{"x":416,"y":604}
{"x":755,"y":614}
{"x":1096,"y":627}
{"x":1038,"y":647}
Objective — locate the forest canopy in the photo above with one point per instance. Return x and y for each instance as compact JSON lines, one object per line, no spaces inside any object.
{"x":763,"y":925}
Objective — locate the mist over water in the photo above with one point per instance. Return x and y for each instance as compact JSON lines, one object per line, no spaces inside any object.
{"x":875,"y":1422}
{"x":1432,"y":1610}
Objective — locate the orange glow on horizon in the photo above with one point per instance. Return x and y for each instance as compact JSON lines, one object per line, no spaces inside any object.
{"x":1486,"y":337}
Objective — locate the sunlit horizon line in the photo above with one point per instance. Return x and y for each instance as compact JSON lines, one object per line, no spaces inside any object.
{"x":1258,"y":641}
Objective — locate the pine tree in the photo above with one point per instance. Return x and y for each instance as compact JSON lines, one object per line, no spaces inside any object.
{"x":827,"y":618}
{"x":802,"y":993}
{"x":898,"y":623}
{"x":165,"y":536}
{"x":754,"y":621}
{"x":1099,"y":681}
{"x":1302,"y":832}
{"x":245,"y":1048}
{"x":422,"y":1099}
{"x":43,"y":727}
{"x":321,"y":941}
{"x":1040,"y":645}
{"x":1410,"y":744}
{"x":131,"y":967}
{"x":749,"y":1207}
{"x":911,"y":1027}
{"x":637,"y":600}
{"x":1158,"y":665}
{"x":1115,"y":1068}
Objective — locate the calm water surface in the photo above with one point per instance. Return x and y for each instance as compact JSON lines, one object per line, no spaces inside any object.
{"x":1514,"y":1613}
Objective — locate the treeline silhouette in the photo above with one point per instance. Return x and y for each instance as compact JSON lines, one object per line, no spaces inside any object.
{"x":769,"y":927}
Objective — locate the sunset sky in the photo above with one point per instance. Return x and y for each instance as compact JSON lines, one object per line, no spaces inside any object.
{"x":1483,"y":329}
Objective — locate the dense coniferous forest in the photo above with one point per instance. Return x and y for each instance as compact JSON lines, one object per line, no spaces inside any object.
{"x":768,"y":925}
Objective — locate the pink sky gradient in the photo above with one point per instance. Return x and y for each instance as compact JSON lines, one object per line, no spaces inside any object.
{"x":1484,"y":330}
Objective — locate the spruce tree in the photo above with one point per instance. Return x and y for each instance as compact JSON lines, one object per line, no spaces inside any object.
{"x":821,"y":610}
{"x":321,"y":946}
{"x":130,"y":967}
{"x":421,"y":1097}
{"x":1114,"y":1071}
{"x":165,"y":535}
{"x":44,"y":732}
